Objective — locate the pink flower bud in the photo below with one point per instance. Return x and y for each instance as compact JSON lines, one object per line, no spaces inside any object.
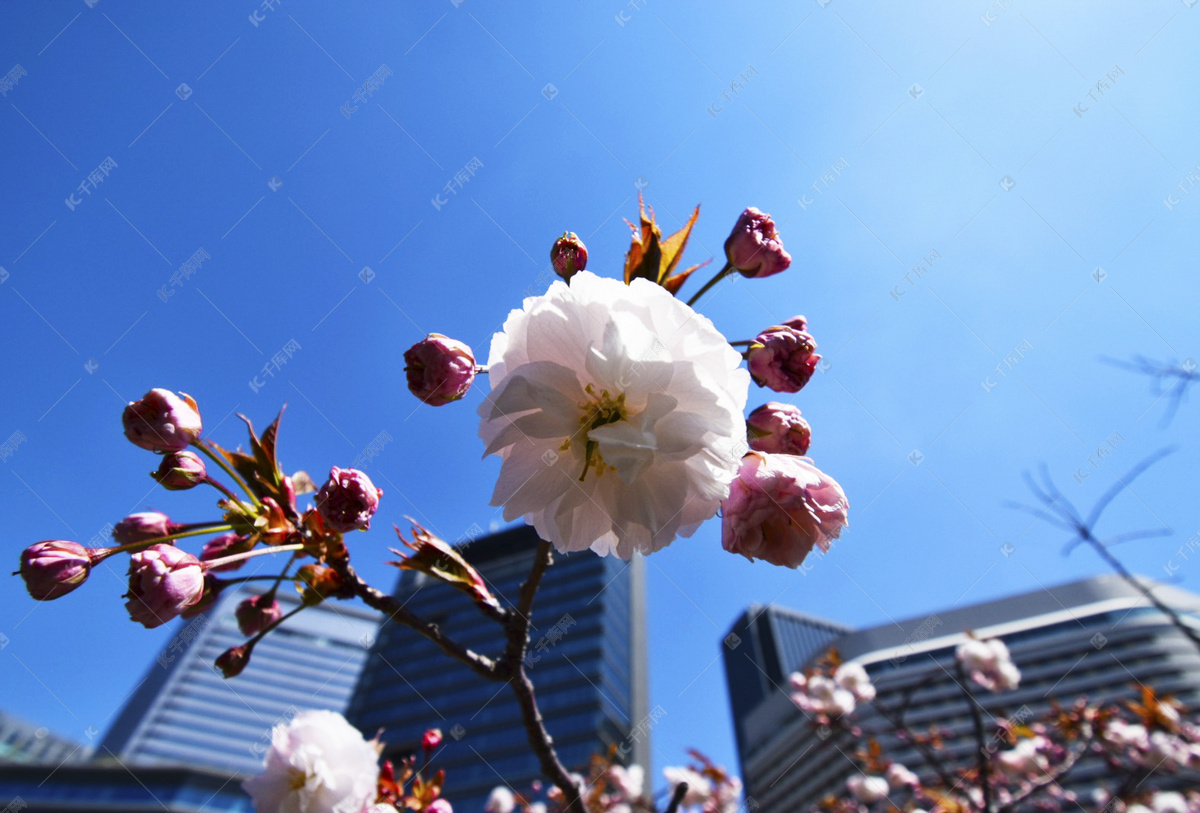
{"x":54,"y":568}
{"x":439,"y":369}
{"x":439,"y":806}
{"x":142,"y":526}
{"x":257,"y":613}
{"x":569,"y":255}
{"x":232,"y":661}
{"x":779,"y":506}
{"x":163,"y":581}
{"x":796,"y":323}
{"x":212,"y":591}
{"x":754,"y":247}
{"x":432,"y":739}
{"x":222,"y":546}
{"x":180,"y":471}
{"x":162,"y":421}
{"x":778,"y":428}
{"x":782,"y":358}
{"x":347,"y":500}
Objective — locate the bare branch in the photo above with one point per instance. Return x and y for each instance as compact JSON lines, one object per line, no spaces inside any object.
{"x":1121,"y":484}
{"x":984,"y":763}
{"x":1084,"y":532}
{"x":677,"y":797}
{"x":394,"y":611}
{"x":1183,"y":374}
{"x":517,"y":629}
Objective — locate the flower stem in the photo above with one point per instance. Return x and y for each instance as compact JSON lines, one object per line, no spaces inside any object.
{"x":241,"y":579}
{"x":283,"y":575}
{"x":722,"y":274}
{"x":219,"y":486}
{"x":249,"y":645}
{"x":220,"y":460}
{"x":238,"y":557}
{"x":203,"y":527}
{"x":200,"y":529}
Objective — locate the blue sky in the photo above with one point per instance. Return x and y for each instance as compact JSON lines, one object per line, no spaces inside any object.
{"x":1055,"y":197}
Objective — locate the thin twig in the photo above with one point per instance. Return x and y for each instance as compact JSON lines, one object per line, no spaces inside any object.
{"x":1052,"y":779}
{"x":1184,"y":374}
{"x":1083,"y":531}
{"x":393,"y":610}
{"x":927,"y":753}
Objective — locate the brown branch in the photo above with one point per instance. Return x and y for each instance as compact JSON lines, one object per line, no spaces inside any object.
{"x":510,"y":667}
{"x":677,"y":797}
{"x":923,"y":748}
{"x":1052,"y":779}
{"x":393,"y":610}
{"x":984,"y":761}
{"x":1172,"y":615}
{"x":513,"y":665}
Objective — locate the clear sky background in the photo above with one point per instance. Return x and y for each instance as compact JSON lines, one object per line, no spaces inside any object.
{"x":964,"y":129}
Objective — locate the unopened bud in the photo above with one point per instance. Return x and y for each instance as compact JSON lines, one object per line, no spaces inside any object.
{"x":232,"y":661}
{"x":569,"y":255}
{"x":439,"y":369}
{"x":53,"y":568}
{"x":162,"y":421}
{"x":257,"y":613}
{"x":142,"y":526}
{"x":180,"y":471}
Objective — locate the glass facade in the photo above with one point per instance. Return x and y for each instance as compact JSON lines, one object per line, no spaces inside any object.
{"x":586,"y":660}
{"x":1095,"y":638}
{"x":21,"y":741}
{"x":186,"y":713}
{"x":113,"y":788}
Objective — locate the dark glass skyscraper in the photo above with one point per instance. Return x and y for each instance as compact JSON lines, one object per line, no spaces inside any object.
{"x":586,"y":659}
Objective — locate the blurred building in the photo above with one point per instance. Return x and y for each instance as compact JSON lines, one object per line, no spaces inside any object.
{"x":185,"y":713}
{"x":111,"y":787}
{"x":22,"y":741}
{"x":1097,"y":638}
{"x":586,"y":659}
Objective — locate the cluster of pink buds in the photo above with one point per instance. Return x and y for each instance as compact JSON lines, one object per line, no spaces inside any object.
{"x":780,"y":506}
{"x":166,"y":581}
{"x":829,"y":695}
{"x":989,"y":664}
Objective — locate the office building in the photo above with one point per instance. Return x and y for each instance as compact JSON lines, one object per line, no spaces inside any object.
{"x":586,"y":660}
{"x":22,"y":741}
{"x":185,"y":713}
{"x":1096,"y":638}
